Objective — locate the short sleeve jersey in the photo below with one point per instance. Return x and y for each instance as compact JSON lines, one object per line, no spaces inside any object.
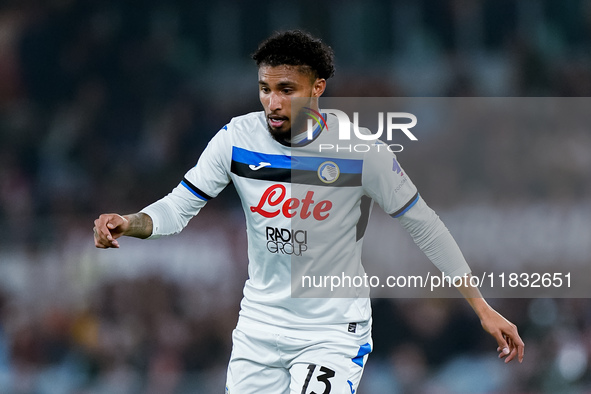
{"x":306,"y":209}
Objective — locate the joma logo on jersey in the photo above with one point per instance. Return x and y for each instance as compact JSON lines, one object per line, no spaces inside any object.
{"x":273,"y":203}
{"x":284,"y":241}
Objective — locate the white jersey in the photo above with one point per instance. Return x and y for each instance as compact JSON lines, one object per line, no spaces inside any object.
{"x":306,"y":212}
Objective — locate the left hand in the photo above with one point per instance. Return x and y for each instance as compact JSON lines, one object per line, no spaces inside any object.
{"x":510,"y":344}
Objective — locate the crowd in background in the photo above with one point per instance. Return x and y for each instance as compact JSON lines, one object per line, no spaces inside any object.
{"x":140,"y":336}
{"x":105,"y":104}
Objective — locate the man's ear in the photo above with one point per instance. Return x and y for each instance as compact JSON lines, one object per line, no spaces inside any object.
{"x":319,"y":86}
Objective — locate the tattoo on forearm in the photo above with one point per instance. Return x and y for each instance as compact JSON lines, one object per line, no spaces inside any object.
{"x":140,"y":225}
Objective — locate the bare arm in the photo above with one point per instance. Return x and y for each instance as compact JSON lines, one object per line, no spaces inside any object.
{"x":510,"y":344}
{"x":110,"y":226}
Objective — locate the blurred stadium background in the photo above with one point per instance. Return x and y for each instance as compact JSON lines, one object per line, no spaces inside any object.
{"x":105,"y":104}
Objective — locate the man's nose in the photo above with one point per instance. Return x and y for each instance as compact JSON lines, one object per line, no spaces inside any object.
{"x":274,"y":102}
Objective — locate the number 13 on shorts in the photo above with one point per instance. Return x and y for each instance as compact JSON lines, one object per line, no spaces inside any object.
{"x":319,"y":379}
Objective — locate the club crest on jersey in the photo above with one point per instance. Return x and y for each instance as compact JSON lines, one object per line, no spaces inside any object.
{"x":328,"y":172}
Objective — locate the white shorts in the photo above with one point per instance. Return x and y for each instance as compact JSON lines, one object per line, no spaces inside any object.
{"x":267,"y":362}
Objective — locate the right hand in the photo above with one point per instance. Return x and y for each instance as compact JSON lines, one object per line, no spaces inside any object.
{"x":107,"y":228}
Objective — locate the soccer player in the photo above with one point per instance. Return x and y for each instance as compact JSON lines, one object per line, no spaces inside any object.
{"x":305,"y":210}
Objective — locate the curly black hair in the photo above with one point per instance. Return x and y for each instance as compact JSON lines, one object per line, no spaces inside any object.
{"x":296,"y":48}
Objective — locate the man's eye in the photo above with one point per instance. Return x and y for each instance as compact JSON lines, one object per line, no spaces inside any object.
{"x":287,"y":91}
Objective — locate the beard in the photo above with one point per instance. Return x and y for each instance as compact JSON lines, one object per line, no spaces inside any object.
{"x":279,"y":135}
{"x":298,"y":126}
